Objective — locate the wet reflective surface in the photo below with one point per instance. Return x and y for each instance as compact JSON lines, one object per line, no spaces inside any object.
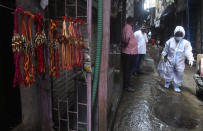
{"x":154,"y":108}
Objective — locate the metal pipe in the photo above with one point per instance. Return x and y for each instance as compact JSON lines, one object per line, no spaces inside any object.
{"x":103,"y":81}
{"x":201,"y":26}
{"x":76,"y":85}
{"x":76,"y":8}
{"x":89,"y":77}
{"x":59,"y":117}
{"x":188,"y":20}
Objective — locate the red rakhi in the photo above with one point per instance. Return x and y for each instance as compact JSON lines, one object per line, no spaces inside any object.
{"x":24,"y":36}
{"x":16,"y":46}
{"x":39,"y":41}
{"x":28,"y":51}
{"x":53,"y":49}
{"x":56,"y":43}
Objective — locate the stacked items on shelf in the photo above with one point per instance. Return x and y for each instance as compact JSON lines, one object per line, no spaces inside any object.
{"x":70,"y":45}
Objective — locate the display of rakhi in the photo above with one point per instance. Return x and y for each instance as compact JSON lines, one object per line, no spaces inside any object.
{"x":71,"y":41}
{"x":54,"y":69}
{"x":16,"y":47}
{"x":74,"y":38}
{"x":40,"y":39}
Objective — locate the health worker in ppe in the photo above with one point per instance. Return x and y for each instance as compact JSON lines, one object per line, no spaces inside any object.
{"x":176,"y":50}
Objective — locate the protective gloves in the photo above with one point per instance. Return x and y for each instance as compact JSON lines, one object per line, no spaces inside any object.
{"x":162,"y":58}
{"x":191,"y":63}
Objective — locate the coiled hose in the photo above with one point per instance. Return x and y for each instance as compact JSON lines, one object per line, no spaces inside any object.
{"x":98,"y":51}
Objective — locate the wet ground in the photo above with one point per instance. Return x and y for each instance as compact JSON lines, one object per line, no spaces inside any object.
{"x":154,"y":108}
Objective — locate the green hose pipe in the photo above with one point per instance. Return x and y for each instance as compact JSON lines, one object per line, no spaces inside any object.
{"x":98,"y":51}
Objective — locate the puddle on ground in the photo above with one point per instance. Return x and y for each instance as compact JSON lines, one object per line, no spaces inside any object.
{"x":174,"y":110}
{"x":154,"y":108}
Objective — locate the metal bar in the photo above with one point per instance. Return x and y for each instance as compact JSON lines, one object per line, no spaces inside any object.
{"x":201,"y":25}
{"x":77,"y":99}
{"x":59,"y":116}
{"x":55,"y":109}
{"x":71,"y":5}
{"x":82,"y":123}
{"x":64,"y":120}
{"x":188,"y":19}
{"x":89,"y":79}
{"x":68,"y":122}
{"x":72,"y":112}
{"x":81,"y":16}
{"x":103,"y":81}
{"x":65,"y":8}
{"x":84,"y":104}
{"x":76,"y":8}
{"x":55,"y":9}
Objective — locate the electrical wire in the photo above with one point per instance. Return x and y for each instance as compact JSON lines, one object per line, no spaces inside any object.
{"x":6,"y":7}
{"x":3,"y":6}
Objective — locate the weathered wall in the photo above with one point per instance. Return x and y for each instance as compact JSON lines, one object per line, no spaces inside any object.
{"x":199,"y":28}
{"x":115,"y":89}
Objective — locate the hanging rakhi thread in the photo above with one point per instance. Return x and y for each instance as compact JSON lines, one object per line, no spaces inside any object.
{"x":81,"y":41}
{"x":53,"y":48}
{"x":76,"y":42}
{"x":63,"y":42}
{"x":40,"y":39}
{"x":56,"y":47}
{"x":52,"y":66}
{"x":28,"y":53}
{"x":24,"y":37}
{"x":69,"y":46}
{"x":16,"y":47}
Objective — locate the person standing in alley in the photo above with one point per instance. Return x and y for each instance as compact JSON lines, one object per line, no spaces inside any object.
{"x":176,"y":50}
{"x":129,"y":52}
{"x":142,"y":39}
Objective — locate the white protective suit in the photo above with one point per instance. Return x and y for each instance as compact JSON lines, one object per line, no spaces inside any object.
{"x":141,"y":40}
{"x":176,"y":56}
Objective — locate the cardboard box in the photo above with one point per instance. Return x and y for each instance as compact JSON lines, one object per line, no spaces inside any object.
{"x":199,"y":56}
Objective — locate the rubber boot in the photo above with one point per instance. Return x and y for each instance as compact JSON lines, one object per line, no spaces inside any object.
{"x":167,"y":85}
{"x":177,"y":89}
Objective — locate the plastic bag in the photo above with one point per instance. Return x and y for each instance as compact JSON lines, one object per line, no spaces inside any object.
{"x":161,"y":68}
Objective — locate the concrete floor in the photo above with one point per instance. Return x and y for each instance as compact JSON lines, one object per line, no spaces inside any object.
{"x":153,"y":108}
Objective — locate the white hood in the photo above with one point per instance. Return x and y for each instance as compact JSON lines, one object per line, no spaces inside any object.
{"x":181,"y":29}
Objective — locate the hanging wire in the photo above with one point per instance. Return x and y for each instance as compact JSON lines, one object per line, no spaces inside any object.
{"x":3,"y":6}
{"x":6,"y":7}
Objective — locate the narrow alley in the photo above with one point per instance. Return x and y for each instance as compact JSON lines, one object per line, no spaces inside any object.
{"x":101,"y":65}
